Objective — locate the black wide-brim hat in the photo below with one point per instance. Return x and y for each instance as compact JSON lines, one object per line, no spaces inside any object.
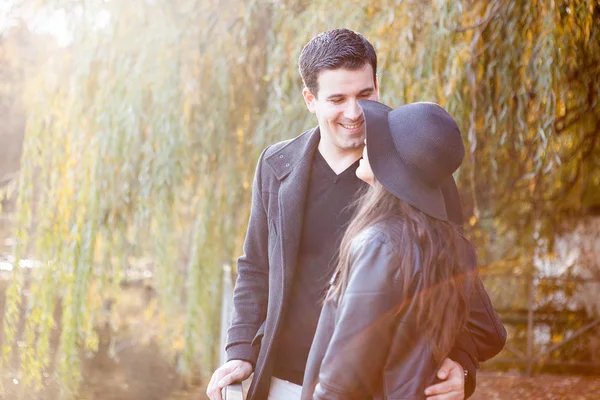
{"x":413,"y":151}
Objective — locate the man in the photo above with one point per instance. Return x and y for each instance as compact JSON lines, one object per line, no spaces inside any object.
{"x":300,"y":199}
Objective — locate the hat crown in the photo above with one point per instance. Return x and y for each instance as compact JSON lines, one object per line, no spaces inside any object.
{"x":427,"y":140}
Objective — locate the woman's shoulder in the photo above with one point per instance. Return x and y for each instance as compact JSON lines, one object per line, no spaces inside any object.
{"x":383,"y":234}
{"x":386,"y":233}
{"x":374,"y":260}
{"x":372,"y":235}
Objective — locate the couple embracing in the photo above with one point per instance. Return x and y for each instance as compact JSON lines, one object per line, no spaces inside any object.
{"x":356,"y":281}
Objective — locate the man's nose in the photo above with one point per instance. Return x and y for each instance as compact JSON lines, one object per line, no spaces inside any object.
{"x":353,"y":111}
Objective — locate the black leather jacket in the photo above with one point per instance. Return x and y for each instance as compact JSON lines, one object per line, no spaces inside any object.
{"x":365,"y":349}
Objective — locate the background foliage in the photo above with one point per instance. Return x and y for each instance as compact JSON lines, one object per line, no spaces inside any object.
{"x":142,"y":135}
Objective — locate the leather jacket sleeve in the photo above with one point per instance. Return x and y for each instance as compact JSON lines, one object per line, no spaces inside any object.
{"x":353,"y":362}
{"x":251,"y":288}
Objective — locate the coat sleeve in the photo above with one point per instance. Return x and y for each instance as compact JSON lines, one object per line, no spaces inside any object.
{"x":353,"y":363}
{"x":251,"y":289}
{"x":483,"y":337}
{"x":484,"y":323}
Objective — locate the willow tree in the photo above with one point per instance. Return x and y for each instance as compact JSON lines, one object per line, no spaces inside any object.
{"x":138,"y":146}
{"x":142,"y":137}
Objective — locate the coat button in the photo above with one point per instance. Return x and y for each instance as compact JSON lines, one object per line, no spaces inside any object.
{"x":287,"y":164}
{"x":281,"y":156}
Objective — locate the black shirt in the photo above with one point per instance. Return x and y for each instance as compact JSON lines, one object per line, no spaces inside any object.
{"x":326,"y":216}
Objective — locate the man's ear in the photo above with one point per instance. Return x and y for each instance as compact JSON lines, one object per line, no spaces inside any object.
{"x":309,"y":99}
{"x":377,"y":86}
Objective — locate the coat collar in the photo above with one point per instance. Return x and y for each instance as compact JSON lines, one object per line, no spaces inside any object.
{"x":283,"y":161}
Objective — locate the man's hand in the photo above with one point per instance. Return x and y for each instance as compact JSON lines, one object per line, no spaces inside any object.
{"x":231,"y":371}
{"x":453,"y":385}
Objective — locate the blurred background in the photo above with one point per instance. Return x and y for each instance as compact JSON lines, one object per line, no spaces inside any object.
{"x":129,"y":133}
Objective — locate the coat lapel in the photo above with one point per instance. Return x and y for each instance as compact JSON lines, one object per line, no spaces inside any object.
{"x":292,"y":166}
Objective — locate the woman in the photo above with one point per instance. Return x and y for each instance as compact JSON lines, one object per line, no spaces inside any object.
{"x":401,"y":291}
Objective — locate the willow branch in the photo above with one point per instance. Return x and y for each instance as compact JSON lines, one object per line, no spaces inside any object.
{"x":492,"y":11}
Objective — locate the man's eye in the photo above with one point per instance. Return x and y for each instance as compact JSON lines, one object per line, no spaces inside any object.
{"x":337,"y":101}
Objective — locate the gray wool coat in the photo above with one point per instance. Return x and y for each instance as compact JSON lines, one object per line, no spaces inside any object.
{"x":266,"y":268}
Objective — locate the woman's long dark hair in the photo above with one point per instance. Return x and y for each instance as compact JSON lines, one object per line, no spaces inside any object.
{"x":446,"y":257}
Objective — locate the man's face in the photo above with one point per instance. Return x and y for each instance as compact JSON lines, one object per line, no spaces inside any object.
{"x":336,"y":105}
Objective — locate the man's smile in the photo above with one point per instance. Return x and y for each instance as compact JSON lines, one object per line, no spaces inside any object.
{"x":352,"y":126}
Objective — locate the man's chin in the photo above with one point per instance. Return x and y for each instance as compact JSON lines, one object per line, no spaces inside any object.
{"x":354,"y":144}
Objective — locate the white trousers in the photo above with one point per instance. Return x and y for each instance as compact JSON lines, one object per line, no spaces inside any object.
{"x":284,"y":390}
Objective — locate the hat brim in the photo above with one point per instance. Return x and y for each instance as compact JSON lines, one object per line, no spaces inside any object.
{"x":452,"y":201}
{"x":390,"y":169}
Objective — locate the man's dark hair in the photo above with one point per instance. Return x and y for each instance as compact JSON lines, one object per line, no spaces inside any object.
{"x":338,"y":48}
